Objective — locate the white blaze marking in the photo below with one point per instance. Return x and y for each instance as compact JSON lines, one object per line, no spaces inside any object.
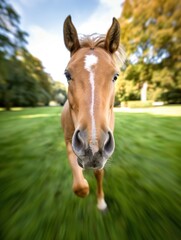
{"x":91,"y":60}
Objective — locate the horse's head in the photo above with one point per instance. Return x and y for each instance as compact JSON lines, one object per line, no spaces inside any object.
{"x":91,"y":73}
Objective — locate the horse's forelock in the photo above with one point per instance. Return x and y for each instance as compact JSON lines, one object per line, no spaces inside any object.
{"x":98,"y":40}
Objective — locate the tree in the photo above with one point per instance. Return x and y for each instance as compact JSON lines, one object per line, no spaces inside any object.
{"x":23,"y":81}
{"x":11,"y":36}
{"x":43,"y":80}
{"x":151,"y":34}
{"x":59,"y":92}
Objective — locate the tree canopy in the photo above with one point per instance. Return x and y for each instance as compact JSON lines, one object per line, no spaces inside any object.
{"x":151,"y":34}
{"x":23,"y":80}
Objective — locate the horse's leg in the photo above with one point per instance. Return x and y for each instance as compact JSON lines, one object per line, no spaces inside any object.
{"x":80,"y":185}
{"x":101,"y":204}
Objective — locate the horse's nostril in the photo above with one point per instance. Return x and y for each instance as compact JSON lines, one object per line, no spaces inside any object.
{"x":109,"y":144}
{"x":78,"y":142}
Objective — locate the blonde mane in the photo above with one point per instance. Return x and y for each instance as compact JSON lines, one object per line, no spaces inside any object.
{"x":98,"y":40}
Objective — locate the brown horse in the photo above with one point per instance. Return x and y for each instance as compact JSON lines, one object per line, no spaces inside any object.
{"x":87,"y":118}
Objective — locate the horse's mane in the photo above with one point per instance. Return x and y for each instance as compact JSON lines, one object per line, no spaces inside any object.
{"x":98,"y":40}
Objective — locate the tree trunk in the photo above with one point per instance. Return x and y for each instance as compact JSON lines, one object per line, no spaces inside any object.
{"x":144,"y":92}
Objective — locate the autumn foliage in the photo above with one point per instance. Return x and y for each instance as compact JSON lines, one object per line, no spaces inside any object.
{"x":151,"y":34}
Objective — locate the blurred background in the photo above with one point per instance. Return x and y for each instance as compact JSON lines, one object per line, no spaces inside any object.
{"x":142,"y":179}
{"x":33,"y":56}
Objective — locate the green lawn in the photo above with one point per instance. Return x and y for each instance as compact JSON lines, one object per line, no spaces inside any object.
{"x":142,"y":180}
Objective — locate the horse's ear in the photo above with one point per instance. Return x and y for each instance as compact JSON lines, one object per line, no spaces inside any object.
{"x":70,"y":36}
{"x":113,"y":37}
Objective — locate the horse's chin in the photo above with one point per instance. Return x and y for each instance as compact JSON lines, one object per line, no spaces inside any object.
{"x":87,"y":164}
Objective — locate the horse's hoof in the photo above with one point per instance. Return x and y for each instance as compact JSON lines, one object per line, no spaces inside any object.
{"x":81,"y":190}
{"x":102,"y":205}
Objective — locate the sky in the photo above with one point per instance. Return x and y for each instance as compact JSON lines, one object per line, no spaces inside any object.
{"x":43,"y":21}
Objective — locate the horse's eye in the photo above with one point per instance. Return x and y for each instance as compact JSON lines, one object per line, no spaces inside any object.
{"x":115,"y":77}
{"x":67,"y":75}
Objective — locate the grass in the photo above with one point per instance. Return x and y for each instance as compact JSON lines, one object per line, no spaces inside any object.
{"x":142,"y":180}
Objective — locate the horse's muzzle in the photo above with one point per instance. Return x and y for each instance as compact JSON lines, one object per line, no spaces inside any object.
{"x":92,"y":155}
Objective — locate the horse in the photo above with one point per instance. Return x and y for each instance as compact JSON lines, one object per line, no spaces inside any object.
{"x":87,"y":117}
